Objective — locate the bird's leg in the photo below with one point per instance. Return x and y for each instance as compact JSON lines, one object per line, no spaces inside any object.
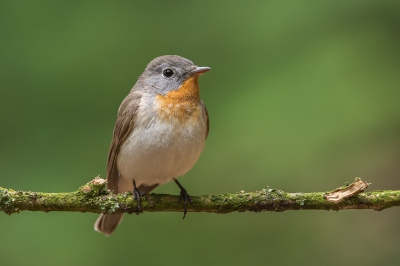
{"x":183,"y":196}
{"x":136,"y":196}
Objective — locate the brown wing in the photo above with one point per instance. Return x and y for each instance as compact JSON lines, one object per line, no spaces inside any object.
{"x":123,"y":127}
{"x":208,"y":120}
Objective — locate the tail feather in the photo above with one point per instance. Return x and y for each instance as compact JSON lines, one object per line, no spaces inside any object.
{"x":106,"y":223}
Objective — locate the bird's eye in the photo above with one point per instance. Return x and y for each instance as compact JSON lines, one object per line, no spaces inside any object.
{"x":168,"y":73}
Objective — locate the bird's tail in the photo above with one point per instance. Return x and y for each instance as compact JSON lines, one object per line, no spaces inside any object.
{"x":107,"y":223}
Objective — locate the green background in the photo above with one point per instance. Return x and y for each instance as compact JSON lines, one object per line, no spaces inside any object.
{"x":303,"y":96}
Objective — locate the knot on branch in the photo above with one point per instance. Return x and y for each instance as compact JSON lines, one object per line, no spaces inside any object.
{"x":94,"y":188}
{"x":349,"y":191}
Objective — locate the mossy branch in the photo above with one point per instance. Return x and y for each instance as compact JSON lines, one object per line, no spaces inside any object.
{"x":94,"y":197}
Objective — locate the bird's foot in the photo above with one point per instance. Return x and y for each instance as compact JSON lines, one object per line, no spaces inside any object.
{"x":185,"y":197}
{"x":136,"y":197}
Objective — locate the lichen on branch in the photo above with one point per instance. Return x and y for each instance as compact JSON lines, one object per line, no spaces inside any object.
{"x":94,"y":197}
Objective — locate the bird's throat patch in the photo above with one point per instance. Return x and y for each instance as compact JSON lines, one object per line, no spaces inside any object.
{"x":181,"y":105}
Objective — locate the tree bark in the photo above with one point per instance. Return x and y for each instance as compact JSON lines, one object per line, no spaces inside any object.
{"x":94,"y":197}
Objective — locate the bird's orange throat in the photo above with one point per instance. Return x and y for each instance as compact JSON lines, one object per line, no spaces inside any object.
{"x":189,"y":91}
{"x":181,"y":104}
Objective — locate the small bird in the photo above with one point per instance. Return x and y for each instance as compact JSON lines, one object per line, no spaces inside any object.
{"x":159,"y":134}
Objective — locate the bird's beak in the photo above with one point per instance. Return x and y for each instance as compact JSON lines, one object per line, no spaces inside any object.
{"x":199,"y":71}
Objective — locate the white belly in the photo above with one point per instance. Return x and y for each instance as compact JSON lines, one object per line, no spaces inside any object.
{"x":160,"y":151}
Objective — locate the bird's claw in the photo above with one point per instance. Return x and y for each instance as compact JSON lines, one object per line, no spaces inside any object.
{"x":185,"y":197}
{"x":136,"y":197}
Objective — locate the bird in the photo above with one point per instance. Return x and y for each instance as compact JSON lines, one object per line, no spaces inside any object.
{"x":159,"y":134}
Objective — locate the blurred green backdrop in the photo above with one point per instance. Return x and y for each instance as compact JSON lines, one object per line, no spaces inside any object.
{"x":302,"y":96}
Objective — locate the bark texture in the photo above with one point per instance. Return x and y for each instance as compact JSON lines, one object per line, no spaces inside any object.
{"x":94,"y":197}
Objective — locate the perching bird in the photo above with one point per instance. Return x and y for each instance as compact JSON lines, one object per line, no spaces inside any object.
{"x":159,"y":134}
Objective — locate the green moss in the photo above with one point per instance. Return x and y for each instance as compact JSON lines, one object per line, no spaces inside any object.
{"x":93,"y":188}
{"x":93,"y":197}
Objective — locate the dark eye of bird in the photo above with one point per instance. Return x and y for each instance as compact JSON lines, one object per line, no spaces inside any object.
{"x":168,"y":73}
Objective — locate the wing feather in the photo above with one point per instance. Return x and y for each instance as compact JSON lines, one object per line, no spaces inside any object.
{"x":208,"y":119}
{"x":123,"y":127}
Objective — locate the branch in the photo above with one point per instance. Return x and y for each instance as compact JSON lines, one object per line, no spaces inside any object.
{"x":94,"y":197}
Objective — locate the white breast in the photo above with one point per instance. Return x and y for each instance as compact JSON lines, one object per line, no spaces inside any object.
{"x":157,"y":151}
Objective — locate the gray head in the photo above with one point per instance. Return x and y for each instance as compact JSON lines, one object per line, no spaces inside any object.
{"x":168,"y":72}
